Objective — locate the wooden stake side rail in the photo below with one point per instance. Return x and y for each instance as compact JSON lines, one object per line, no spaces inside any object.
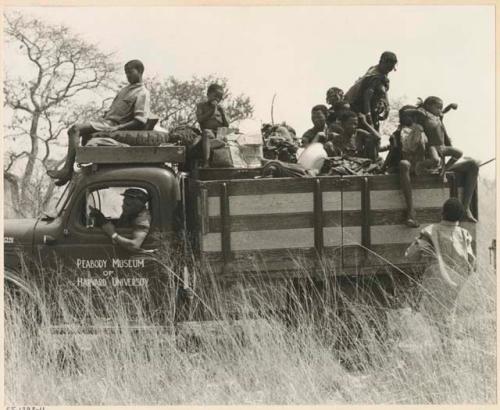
{"x":130,"y":155}
{"x":342,"y":224}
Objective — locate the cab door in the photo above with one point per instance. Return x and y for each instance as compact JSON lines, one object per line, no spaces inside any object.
{"x":92,"y":273}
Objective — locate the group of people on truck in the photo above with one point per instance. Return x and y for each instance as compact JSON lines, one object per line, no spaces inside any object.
{"x":348,"y":133}
{"x":345,"y":136}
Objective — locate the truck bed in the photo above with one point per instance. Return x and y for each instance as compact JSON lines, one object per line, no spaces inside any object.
{"x":327,"y":225}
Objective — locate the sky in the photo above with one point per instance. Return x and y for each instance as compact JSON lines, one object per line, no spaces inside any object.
{"x":299,"y":52}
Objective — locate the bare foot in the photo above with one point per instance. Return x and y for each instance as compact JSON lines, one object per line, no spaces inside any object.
{"x":411,"y":220}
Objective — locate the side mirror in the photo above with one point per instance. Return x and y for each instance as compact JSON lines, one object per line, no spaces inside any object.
{"x":49,"y":240}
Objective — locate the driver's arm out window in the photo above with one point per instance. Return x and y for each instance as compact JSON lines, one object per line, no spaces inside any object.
{"x":107,"y":200}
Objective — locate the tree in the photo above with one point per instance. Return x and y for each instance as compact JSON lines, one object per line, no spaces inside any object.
{"x":174,"y":101}
{"x":63,"y":70}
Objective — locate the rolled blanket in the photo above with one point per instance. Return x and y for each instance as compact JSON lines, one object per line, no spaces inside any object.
{"x":134,"y":138}
{"x":278,"y":169}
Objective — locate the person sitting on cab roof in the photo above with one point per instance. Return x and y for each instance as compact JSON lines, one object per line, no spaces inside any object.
{"x":129,"y":111}
{"x":368,"y":95}
{"x":134,"y":215}
{"x":211,"y":117}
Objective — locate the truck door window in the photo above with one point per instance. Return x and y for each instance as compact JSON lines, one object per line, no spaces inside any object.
{"x":108,"y":200}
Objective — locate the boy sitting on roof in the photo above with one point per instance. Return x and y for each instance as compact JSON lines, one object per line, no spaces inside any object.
{"x":129,"y":111}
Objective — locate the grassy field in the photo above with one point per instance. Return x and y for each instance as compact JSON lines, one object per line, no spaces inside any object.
{"x":266,"y":361}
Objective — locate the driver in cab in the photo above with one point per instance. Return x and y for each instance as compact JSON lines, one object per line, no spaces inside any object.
{"x":134,"y":215}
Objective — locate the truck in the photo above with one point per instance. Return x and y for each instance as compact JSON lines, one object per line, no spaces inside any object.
{"x":227,"y":228}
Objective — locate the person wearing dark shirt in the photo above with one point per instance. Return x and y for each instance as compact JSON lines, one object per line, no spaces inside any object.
{"x":369,"y":94}
{"x":334,"y":95}
{"x":134,"y":215}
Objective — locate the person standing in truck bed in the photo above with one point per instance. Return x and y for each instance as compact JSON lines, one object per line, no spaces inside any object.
{"x":129,"y":111}
{"x":368,"y":95}
{"x":211,"y":117}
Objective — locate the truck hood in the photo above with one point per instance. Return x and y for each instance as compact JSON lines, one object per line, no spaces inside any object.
{"x":18,"y":231}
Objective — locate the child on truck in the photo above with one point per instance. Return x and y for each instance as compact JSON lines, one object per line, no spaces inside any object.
{"x":211,"y":117}
{"x":355,"y":141}
{"x":430,"y":116}
{"x":129,"y":111}
{"x":408,"y":147}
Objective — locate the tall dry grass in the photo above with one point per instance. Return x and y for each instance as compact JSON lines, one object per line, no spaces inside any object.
{"x":323,"y":357}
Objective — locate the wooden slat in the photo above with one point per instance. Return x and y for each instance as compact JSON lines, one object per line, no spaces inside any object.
{"x":225,"y":222}
{"x":296,"y":220}
{"x":241,"y":223}
{"x":378,"y":255}
{"x":271,"y":203}
{"x":351,"y":235}
{"x":211,"y":242}
{"x":318,"y":217}
{"x":130,"y":155}
{"x":218,"y":174}
{"x":275,"y":260}
{"x":351,"y":201}
{"x":255,"y":240}
{"x":265,"y":186}
{"x":332,"y":200}
{"x":422,"y":198}
{"x":383,"y":234}
{"x":365,"y":213}
{"x":392,"y":182}
{"x":398,"y":216}
{"x":332,"y":236}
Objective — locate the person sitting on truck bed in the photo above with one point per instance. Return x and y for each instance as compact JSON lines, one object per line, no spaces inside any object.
{"x":354,"y":141}
{"x":334,"y":95}
{"x":319,"y":130}
{"x":134,"y":215}
{"x":436,"y":134}
{"x":429,"y":115}
{"x":339,"y":108}
{"x":211,"y":117}
{"x":129,"y":111}
{"x":452,"y":259}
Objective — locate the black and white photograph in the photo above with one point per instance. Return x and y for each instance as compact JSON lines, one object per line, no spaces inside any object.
{"x":224,"y":204}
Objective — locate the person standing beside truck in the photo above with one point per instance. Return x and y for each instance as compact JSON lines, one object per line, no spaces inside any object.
{"x":211,"y":117}
{"x":128,"y":111}
{"x":134,"y":215}
{"x":449,"y":248}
